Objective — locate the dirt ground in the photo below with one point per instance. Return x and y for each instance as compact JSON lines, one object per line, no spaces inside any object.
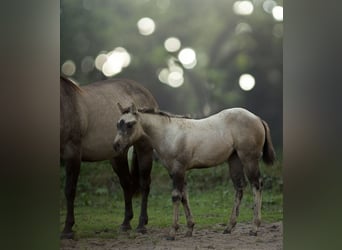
{"x":270,"y":236}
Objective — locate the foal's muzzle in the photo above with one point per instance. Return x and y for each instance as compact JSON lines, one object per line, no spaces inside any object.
{"x":117,"y":147}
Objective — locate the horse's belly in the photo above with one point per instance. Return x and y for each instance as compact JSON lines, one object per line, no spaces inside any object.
{"x":96,"y":151}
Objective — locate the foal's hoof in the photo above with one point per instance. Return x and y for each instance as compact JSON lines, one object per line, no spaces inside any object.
{"x":253,"y":233}
{"x":67,"y":235}
{"x":170,"y":237}
{"x":125,"y":227}
{"x":188,"y":234}
{"x":227,"y":231}
{"x":141,"y":230}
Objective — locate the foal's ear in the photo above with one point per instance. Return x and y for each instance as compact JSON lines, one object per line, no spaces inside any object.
{"x":133,"y":109}
{"x":120,"y":107}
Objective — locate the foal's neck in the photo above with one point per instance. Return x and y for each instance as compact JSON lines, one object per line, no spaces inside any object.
{"x":154,"y":125}
{"x":158,"y":128}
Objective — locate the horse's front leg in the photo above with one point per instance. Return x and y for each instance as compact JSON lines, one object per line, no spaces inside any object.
{"x":72,"y":170}
{"x":145,"y":159}
{"x":121,"y":168}
{"x":178,"y":185}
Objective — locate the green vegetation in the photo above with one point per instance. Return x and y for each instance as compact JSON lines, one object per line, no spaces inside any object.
{"x":99,"y":205}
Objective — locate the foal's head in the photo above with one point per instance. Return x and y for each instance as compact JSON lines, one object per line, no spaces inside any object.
{"x":128,"y":129}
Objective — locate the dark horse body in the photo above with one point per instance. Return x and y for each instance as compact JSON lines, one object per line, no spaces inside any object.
{"x":88,"y":118}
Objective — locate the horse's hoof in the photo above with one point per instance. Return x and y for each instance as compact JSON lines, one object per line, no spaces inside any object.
{"x":253,"y":233}
{"x":67,"y":235}
{"x":141,"y":230}
{"x":170,"y":237}
{"x":125,"y":228}
{"x":227,"y":231}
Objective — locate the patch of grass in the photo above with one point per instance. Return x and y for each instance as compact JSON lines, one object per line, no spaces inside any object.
{"x":99,"y":206}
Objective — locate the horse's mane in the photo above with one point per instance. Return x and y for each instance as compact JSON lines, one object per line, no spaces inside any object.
{"x":158,"y":112}
{"x":70,"y":83}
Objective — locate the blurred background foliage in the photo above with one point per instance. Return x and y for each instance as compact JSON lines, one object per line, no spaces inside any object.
{"x":221,"y":41}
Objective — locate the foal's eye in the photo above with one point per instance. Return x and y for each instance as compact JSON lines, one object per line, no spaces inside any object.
{"x":130,"y":125}
{"x":120,"y":124}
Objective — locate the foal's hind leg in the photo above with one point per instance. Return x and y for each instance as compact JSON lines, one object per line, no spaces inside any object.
{"x":144,"y":155}
{"x":239,"y":181}
{"x":121,"y":168}
{"x":178,"y":187}
{"x":254,"y":177}
{"x":188,"y":214}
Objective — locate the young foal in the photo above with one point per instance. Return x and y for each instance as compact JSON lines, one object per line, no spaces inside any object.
{"x":233,"y":135}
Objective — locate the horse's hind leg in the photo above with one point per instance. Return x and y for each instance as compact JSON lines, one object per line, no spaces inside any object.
{"x":253,"y":174}
{"x":72,"y":170}
{"x":144,"y":163}
{"x":121,"y":168}
{"x":239,"y":182}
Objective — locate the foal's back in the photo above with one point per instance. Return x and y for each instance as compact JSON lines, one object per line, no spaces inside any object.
{"x":213,"y":139}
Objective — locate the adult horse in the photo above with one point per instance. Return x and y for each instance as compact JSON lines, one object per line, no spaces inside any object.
{"x":88,"y":115}
{"x":236,"y":136}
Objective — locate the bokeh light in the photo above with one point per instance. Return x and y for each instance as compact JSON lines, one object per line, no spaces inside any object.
{"x":68,"y":68}
{"x":187,"y":57}
{"x":268,"y":6}
{"x":243,"y":8}
{"x":146,"y":26}
{"x":172,"y":76}
{"x":277,"y":13}
{"x":175,"y":79}
{"x":163,"y":75}
{"x":172,"y":44}
{"x":242,"y":28}
{"x":246,"y":82}
{"x":100,"y":60}
{"x":87,"y":64}
{"x":113,"y":62}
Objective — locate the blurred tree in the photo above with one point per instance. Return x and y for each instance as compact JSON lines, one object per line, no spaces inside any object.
{"x":226,"y":44}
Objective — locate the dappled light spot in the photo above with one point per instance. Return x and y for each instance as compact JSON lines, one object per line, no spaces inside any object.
{"x":246,"y":82}
{"x":172,"y":44}
{"x":100,"y":60}
{"x":175,"y":68}
{"x":114,"y":62}
{"x":277,"y":13}
{"x":268,"y":6}
{"x":68,"y":68}
{"x":120,"y":54}
{"x":163,"y":75}
{"x":175,"y":79}
{"x":87,"y":64}
{"x":242,"y":28}
{"x":172,"y":76}
{"x":243,"y":8}
{"x":187,"y":57}
{"x":146,"y":26}
{"x":111,"y":68}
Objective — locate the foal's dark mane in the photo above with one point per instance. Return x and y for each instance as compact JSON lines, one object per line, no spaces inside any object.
{"x":158,"y":112}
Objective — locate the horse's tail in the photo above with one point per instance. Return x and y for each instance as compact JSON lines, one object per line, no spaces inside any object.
{"x":268,"y":155}
{"x":135,"y":174}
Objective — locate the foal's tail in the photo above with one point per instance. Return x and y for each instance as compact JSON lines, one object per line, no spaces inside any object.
{"x":268,"y":155}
